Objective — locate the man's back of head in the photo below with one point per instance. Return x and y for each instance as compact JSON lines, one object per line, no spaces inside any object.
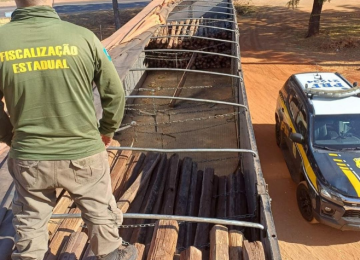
{"x":27,"y":3}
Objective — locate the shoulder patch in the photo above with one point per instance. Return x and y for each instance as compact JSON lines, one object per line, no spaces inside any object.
{"x":107,"y":54}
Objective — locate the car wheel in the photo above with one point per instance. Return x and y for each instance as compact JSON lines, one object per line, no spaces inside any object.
{"x":304,"y":202}
{"x":278,"y":135}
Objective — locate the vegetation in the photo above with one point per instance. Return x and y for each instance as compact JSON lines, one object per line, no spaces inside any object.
{"x":244,"y":7}
{"x":314,"y":21}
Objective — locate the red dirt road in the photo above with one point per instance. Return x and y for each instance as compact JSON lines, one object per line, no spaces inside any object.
{"x":269,"y":57}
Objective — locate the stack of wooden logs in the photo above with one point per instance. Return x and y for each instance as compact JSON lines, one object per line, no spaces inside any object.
{"x":168,"y":39}
{"x":154,"y":184}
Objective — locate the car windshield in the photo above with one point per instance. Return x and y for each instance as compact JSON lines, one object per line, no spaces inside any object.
{"x":337,"y":131}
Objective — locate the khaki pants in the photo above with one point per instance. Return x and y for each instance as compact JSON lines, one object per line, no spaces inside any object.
{"x":88,"y":182}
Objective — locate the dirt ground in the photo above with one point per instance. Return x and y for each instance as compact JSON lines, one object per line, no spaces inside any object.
{"x":272,"y":48}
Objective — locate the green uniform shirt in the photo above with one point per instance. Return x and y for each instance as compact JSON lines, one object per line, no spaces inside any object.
{"x":47,"y":70}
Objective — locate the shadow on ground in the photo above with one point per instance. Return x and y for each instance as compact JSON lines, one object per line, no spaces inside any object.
{"x":277,"y":34}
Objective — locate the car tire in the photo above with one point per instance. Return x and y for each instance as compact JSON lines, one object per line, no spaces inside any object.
{"x":278,"y":135}
{"x":304,"y":202}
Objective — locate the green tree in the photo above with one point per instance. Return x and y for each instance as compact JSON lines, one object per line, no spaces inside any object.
{"x":115,"y":5}
{"x":314,"y":22}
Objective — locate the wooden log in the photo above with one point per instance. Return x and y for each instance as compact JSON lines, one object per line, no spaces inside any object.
{"x":141,"y":182}
{"x":156,"y":33}
{"x":205,"y":253}
{"x":132,"y":171}
{"x":159,"y":202}
{"x":191,"y":253}
{"x":164,"y":240}
{"x":67,"y":227}
{"x":118,"y":171}
{"x":219,"y":243}
{"x":166,"y":33}
{"x":199,"y":184}
{"x":182,"y":80}
{"x":183,"y":187}
{"x":136,"y":169}
{"x":214,"y":196}
{"x":147,"y":250}
{"x":74,"y":247}
{"x":242,"y":208}
{"x":191,"y":211}
{"x":170,"y":187}
{"x":173,"y":31}
{"x":185,"y":28}
{"x":59,"y":192}
{"x":150,"y":163}
{"x":253,"y":251}
{"x":192,"y":27}
{"x":231,"y":196}
{"x":221,"y":205}
{"x":204,"y":209}
{"x":199,"y":181}
{"x":236,"y":239}
{"x":139,"y":234}
{"x":179,"y":29}
{"x":140,"y":249}
{"x":62,"y":207}
{"x":161,"y":33}
{"x":113,"y":155}
{"x":181,"y":204}
{"x":197,"y":26}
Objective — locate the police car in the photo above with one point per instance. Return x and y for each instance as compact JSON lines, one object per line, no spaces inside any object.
{"x":318,"y":129}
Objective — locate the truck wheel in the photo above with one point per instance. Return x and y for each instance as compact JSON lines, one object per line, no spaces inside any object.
{"x":304,"y":202}
{"x":278,"y":135}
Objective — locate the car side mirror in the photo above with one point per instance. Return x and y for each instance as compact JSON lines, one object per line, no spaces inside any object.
{"x":355,"y":84}
{"x":297,"y":138}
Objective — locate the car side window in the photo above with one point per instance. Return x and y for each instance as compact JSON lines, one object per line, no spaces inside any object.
{"x":301,"y":123}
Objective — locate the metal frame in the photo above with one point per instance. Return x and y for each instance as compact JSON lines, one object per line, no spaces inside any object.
{"x":199,"y":25}
{"x":195,"y":71}
{"x":195,"y":150}
{"x":191,"y":99}
{"x":211,"y":19}
{"x":172,"y":217}
{"x":196,"y":37}
{"x":196,"y":51}
{"x":202,"y":11}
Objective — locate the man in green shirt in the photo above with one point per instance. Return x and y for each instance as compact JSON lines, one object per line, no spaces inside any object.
{"x":47,"y":70}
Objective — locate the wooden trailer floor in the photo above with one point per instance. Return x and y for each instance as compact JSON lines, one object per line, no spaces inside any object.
{"x":159,"y":184}
{"x":180,"y":127}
